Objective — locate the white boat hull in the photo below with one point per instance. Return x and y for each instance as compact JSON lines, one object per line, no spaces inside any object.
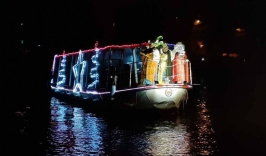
{"x":142,"y":97}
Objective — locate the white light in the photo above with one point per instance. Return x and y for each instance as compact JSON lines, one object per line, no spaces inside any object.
{"x":39,"y":45}
{"x":79,"y":76}
{"x":21,"y":23}
{"x":94,"y":73}
{"x":202,"y":59}
{"x":62,"y":74}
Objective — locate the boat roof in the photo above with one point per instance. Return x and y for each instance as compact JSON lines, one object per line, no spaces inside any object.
{"x":110,"y":47}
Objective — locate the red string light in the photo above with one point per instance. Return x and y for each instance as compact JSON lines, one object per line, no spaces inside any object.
{"x":107,"y":47}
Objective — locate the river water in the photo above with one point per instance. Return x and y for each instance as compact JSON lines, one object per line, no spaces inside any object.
{"x":74,"y":130}
{"x":223,"y":121}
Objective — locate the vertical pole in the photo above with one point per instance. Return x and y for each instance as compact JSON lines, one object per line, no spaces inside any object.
{"x":87,"y":72}
{"x":130,"y":71}
{"x":108,"y":72}
{"x":70,"y":75}
{"x":135,"y":66}
{"x":190,"y":73}
{"x":53,"y":67}
{"x":103,"y":67}
{"x":120,"y":70}
{"x":58,"y":70}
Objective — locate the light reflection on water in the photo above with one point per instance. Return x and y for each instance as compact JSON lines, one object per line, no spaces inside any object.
{"x":75,"y":131}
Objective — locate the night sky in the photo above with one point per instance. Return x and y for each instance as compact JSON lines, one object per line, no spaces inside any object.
{"x":76,"y":25}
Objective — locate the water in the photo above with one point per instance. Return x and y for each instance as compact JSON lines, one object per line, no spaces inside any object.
{"x":73,"y":130}
{"x":217,"y":120}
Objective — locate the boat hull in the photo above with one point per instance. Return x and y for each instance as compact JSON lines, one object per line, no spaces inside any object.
{"x":140,"y":98}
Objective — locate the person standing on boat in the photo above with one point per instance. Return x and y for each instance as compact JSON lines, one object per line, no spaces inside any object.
{"x":151,"y":58}
{"x":165,"y":66}
{"x":179,"y":63}
{"x":144,"y":52}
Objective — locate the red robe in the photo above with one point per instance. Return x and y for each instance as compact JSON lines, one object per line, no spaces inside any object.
{"x":181,"y":70}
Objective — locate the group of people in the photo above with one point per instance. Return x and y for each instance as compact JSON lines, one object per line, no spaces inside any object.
{"x":162,"y":65}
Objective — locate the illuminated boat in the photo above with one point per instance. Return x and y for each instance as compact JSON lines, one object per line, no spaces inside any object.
{"x":125,"y":75}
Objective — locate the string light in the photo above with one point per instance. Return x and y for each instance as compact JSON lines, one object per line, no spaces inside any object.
{"x":53,"y":65}
{"x":62,"y":73}
{"x":78,"y":83}
{"x":114,"y":47}
{"x":94,"y":71}
{"x":129,"y":89}
{"x":52,"y":70}
{"x":79,"y":76}
{"x":109,"y":47}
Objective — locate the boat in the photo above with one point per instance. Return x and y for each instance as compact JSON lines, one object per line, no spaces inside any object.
{"x":150,"y":75}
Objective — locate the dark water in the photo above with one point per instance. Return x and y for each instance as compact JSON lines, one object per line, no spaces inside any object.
{"x":209,"y":125}
{"x":73,"y":130}
{"x":225,"y":118}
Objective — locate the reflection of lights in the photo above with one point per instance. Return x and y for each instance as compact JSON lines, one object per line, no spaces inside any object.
{"x":206,"y":144}
{"x":86,"y":130}
{"x":61,"y":138}
{"x":224,"y":54}
{"x":76,"y":132}
{"x":169,"y":141}
{"x":72,"y":131}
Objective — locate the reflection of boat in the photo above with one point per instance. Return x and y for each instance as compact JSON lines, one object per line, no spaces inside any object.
{"x":116,"y":73}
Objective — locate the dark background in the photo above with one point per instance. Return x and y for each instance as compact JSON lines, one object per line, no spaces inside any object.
{"x":71,"y":26}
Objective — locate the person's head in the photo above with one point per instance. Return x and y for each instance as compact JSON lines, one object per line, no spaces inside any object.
{"x":152,"y":45}
{"x":165,"y":48}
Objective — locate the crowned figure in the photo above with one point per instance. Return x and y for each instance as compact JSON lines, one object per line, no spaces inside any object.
{"x":165,"y":65}
{"x":180,"y":64}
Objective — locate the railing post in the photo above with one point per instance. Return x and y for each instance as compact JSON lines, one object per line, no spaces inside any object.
{"x":130,"y":71}
{"x":190,"y":73}
{"x":135,"y":66}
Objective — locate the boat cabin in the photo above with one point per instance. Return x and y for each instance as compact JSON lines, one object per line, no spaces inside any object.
{"x":126,"y":66}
